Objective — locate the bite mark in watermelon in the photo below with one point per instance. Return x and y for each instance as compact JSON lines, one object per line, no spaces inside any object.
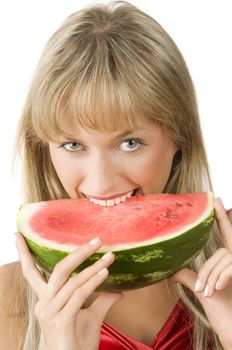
{"x":152,"y":236}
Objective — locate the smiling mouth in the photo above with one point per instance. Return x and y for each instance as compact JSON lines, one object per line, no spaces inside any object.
{"x":114,"y":201}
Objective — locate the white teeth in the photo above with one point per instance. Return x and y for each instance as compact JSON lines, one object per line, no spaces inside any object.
{"x":117,"y":200}
{"x":129,"y":194}
{"x":111,"y":202}
{"x":123,"y":198}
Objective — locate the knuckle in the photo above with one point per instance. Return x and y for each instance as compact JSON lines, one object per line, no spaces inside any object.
{"x":88,"y":270}
{"x":83,"y":252}
{"x":81,"y":294}
{"x":61,"y":267}
{"x":225,"y":275}
{"x":228,"y":258}
{"x":223,"y":251}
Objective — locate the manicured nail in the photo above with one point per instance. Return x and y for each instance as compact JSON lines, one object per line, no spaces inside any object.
{"x":102,"y":272}
{"x":197,"y":286}
{"x":106,"y":256}
{"x":94,"y":241}
{"x":206,"y":290}
{"x":217,"y":284}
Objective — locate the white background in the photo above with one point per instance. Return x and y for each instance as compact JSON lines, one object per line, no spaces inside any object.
{"x":201,"y":29}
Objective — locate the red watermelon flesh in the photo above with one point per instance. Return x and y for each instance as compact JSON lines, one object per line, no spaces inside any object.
{"x":138,"y":219}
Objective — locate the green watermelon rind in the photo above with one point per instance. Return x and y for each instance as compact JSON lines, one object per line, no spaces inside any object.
{"x":141,"y":266}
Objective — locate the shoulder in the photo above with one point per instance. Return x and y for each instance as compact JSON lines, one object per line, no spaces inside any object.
{"x":12,"y":289}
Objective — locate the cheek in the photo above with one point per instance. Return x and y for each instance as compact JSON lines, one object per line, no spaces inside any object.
{"x":65,"y":169}
{"x":153,"y":171}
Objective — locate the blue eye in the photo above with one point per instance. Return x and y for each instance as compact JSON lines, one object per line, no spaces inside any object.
{"x":70,"y":146}
{"x":131,"y":145}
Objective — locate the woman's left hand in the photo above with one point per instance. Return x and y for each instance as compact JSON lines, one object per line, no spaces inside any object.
{"x":213,"y":283}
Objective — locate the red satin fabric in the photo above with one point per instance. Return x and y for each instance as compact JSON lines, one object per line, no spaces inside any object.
{"x":176,"y":334}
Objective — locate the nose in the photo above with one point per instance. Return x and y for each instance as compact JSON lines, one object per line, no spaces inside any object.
{"x":101,"y":175}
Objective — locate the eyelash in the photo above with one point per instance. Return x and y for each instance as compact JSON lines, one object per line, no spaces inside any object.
{"x":127,"y":140}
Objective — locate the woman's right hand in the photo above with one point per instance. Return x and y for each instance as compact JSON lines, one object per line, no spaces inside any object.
{"x":64,"y":324}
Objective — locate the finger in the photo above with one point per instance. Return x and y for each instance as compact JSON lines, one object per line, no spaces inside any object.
{"x":82,"y":294}
{"x":224,"y":224}
{"x":75,"y":282}
{"x":225,"y":278}
{"x":186,"y":277}
{"x":65,"y":267}
{"x":216,"y":274}
{"x":208,"y":267}
{"x":103,"y":303}
{"x":29,"y":269}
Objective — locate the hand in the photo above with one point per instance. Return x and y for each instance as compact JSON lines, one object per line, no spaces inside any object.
{"x":64,"y":324}
{"x":213,"y":284}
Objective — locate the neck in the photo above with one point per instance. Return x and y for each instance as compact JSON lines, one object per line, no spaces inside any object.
{"x":150,"y":299}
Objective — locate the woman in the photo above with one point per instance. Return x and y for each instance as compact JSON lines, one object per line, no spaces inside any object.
{"x":112,"y":109}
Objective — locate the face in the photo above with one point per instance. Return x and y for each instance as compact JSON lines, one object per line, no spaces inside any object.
{"x":106,"y":165}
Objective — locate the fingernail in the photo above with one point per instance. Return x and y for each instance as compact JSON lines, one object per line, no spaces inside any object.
{"x":217,"y":284}
{"x":206,"y":290}
{"x":197,"y":286}
{"x":106,"y":256}
{"x":94,"y":241}
{"x":102,"y":272}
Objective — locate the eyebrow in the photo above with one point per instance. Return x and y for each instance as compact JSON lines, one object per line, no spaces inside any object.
{"x":123,"y":134}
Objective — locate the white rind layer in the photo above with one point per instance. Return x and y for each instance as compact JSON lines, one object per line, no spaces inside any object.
{"x":33,"y":208}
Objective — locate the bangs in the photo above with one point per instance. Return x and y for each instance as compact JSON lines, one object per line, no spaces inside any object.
{"x":104,"y":107}
{"x":107,"y":106}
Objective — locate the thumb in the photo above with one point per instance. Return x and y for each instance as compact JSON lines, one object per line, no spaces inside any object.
{"x":104,"y":302}
{"x":186,"y":277}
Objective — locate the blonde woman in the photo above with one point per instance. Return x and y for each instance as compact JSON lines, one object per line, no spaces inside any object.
{"x":112,"y":109}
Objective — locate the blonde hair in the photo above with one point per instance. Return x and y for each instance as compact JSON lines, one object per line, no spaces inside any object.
{"x":106,"y":66}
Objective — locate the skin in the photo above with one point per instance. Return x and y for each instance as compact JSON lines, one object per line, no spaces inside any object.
{"x":105,"y":164}
{"x":68,"y":310}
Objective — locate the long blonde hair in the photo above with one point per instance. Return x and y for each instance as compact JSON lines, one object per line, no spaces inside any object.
{"x":109,"y":65}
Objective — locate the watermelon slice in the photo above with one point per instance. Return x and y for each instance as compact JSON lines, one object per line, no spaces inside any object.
{"x":152,"y":236}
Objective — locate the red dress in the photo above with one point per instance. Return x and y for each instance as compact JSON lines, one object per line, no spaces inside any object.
{"x":176,"y":334}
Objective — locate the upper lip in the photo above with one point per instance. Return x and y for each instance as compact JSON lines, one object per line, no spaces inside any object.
{"x":110,"y":197}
